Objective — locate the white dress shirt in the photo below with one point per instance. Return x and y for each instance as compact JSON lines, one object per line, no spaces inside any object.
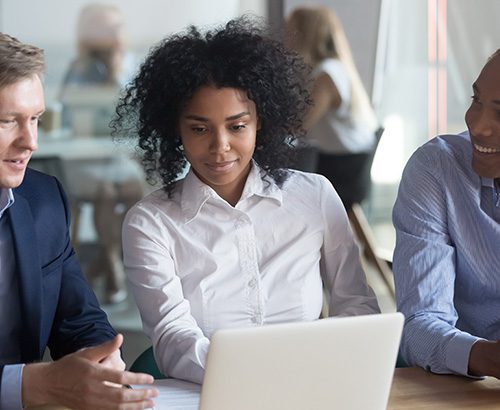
{"x":196,"y":264}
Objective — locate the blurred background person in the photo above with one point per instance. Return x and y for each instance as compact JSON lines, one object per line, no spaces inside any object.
{"x":102,"y":58}
{"x":89,"y":94}
{"x":341,"y":121}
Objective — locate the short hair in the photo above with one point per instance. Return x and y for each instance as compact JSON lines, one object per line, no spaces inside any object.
{"x":18,"y":60}
{"x":239,"y":55}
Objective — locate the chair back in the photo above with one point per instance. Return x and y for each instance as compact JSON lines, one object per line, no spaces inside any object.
{"x":351,"y":173}
{"x":146,"y":363}
{"x":365,"y":174}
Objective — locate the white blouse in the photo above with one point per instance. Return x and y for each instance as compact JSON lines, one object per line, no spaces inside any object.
{"x":339,"y":131}
{"x":196,"y":264}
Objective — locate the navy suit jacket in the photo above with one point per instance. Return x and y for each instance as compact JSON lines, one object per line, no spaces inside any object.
{"x":58,"y":308}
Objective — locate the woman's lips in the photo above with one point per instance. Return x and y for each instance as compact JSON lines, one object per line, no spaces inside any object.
{"x":221,"y":166}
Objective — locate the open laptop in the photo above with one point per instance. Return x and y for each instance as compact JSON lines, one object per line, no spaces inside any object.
{"x":335,"y":363}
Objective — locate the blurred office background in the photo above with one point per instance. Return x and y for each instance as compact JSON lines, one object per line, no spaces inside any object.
{"x":417,"y":59}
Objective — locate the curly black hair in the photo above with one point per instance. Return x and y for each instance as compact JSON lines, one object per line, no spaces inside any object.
{"x":240,"y":55}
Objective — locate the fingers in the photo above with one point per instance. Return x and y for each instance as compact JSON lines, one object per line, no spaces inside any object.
{"x":131,"y":398}
{"x":139,"y":394}
{"x":98,"y":353}
{"x":112,"y":396}
{"x":125,"y":377}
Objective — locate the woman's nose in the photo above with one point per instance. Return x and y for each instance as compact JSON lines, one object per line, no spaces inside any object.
{"x":220,"y":142}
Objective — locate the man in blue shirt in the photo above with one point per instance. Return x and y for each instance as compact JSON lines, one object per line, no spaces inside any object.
{"x":447,"y":257}
{"x":45,"y":300}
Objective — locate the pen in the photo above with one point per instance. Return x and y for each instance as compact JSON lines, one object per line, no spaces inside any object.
{"x":128,"y":386}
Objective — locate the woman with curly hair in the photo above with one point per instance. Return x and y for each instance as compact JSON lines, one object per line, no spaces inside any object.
{"x":240,"y":240}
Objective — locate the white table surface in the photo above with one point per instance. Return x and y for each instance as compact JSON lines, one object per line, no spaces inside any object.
{"x":177,"y":395}
{"x":76,"y":148}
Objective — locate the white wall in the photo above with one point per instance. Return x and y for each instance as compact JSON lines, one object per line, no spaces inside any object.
{"x":50,"y":24}
{"x":53,"y":21}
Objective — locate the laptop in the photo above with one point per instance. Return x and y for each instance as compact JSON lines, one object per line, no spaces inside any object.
{"x":335,"y":363}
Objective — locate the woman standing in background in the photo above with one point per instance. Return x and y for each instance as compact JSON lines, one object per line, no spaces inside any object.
{"x":341,"y":120}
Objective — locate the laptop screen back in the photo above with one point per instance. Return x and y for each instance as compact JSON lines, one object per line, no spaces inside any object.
{"x":334,"y":363}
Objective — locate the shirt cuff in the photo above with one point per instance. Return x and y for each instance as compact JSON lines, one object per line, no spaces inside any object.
{"x":457,"y":353}
{"x":11,"y":389}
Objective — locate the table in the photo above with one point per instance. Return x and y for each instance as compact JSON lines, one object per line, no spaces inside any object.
{"x":82,"y":148}
{"x":412,"y":389}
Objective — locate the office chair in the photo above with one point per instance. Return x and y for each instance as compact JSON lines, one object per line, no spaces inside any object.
{"x":400,"y":362}
{"x":351,"y":177}
{"x":146,"y":363}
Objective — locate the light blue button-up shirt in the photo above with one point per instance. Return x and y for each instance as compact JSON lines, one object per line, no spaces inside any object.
{"x":10,"y":393}
{"x":447,"y":257}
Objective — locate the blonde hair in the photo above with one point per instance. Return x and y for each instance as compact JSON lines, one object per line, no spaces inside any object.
{"x":19,"y":60}
{"x":316,"y":33}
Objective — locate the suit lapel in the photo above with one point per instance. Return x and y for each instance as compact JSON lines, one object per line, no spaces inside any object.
{"x":29,"y":275}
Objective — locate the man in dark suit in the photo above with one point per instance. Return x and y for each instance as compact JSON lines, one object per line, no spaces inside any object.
{"x":45,"y":300}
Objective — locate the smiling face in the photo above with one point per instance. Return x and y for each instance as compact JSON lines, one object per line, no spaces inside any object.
{"x":218,"y":129}
{"x":483,"y":120}
{"x":21,"y":105}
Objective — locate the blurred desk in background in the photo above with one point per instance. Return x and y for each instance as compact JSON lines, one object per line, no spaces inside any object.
{"x":82,"y":148}
{"x":88,"y":167}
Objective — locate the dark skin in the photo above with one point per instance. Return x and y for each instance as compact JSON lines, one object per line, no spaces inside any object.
{"x":483,"y":121}
{"x":484,"y":358}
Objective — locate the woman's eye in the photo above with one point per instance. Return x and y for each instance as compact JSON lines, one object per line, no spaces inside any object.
{"x":198,"y":129}
{"x":239,"y":127}
{"x":474,"y":98}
